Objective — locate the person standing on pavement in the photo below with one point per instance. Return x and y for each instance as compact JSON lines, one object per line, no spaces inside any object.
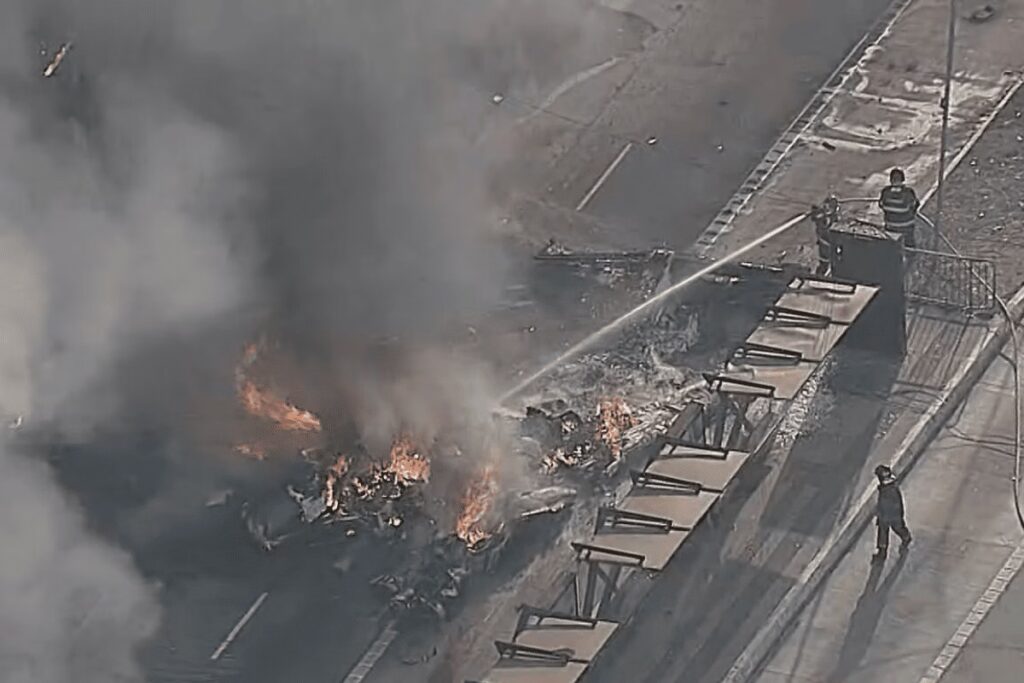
{"x":899,"y":204}
{"x":824,"y":217}
{"x":889,"y":512}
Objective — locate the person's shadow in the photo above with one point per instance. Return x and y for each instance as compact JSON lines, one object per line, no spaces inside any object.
{"x":864,"y":621}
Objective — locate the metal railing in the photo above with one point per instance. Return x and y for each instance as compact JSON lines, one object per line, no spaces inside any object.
{"x":950,"y":280}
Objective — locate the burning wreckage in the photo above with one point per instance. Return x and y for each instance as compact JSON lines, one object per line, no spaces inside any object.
{"x":457,"y":524}
{"x":454,"y":511}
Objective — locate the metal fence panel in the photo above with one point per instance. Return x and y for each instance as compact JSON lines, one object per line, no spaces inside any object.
{"x":945,"y":279}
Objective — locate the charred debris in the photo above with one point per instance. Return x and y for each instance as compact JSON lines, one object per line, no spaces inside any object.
{"x":568,"y":439}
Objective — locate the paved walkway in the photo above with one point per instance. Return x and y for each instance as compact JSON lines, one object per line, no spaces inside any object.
{"x":886,"y":114}
{"x":995,"y":652}
{"x":889,"y":623}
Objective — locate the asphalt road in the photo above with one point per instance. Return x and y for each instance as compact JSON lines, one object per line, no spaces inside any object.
{"x":715,"y":83}
{"x":713,"y":90}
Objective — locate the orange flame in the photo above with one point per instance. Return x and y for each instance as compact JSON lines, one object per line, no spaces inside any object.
{"x":334,"y":474}
{"x":406,"y":463}
{"x":613,"y":417}
{"x":263,"y":403}
{"x":476,"y":503}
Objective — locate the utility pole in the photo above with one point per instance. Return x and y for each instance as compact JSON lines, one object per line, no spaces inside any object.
{"x":946,"y":89}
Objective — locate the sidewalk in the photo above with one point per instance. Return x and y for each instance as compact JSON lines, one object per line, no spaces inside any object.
{"x":885,"y":114}
{"x":874,"y":623}
{"x":995,"y":651}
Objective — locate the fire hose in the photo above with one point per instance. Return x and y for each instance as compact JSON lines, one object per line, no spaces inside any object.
{"x":647,"y":306}
{"x":1004,"y":310}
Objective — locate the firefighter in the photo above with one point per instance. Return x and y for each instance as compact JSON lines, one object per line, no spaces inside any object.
{"x":899,"y":204}
{"x":823,"y":217}
{"x":889,"y":513}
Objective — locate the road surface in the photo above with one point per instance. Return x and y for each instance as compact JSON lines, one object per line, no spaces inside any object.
{"x":697,"y":91}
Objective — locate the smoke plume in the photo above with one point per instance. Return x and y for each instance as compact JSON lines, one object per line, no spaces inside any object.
{"x":192,"y":172}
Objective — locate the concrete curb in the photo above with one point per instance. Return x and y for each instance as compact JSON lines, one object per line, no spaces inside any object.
{"x":810,"y":115}
{"x":838,"y":543}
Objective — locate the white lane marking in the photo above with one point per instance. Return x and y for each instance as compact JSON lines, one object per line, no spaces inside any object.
{"x":238,"y":627}
{"x":604,"y":177}
{"x":956,"y":644}
{"x":372,"y":655}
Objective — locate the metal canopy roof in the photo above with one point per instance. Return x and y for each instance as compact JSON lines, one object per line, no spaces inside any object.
{"x":679,"y":486}
{"x":549,"y":648}
{"x":712,"y":468}
{"x":841,"y":302}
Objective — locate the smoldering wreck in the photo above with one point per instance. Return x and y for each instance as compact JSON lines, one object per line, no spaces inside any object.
{"x":456,"y":499}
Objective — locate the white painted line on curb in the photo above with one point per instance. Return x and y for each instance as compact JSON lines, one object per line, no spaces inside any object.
{"x":811,"y":114}
{"x":238,"y":627}
{"x":604,"y":177}
{"x":970,"y":624}
{"x":372,"y":655}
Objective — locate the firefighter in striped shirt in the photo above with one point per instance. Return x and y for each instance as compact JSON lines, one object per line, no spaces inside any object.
{"x":899,"y":204}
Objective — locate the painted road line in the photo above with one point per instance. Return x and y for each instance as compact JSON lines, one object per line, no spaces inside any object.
{"x":604,"y":177}
{"x":238,"y":627}
{"x":811,"y":114}
{"x":372,"y":655}
{"x":956,"y":644}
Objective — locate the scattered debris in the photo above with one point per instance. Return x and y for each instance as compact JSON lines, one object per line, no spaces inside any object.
{"x":549,"y":499}
{"x":218,"y":498}
{"x":982,"y":14}
{"x":553,"y":248}
{"x":58,"y":59}
{"x":251,"y":450}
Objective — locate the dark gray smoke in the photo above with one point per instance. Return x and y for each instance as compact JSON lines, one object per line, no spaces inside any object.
{"x":195,"y":172}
